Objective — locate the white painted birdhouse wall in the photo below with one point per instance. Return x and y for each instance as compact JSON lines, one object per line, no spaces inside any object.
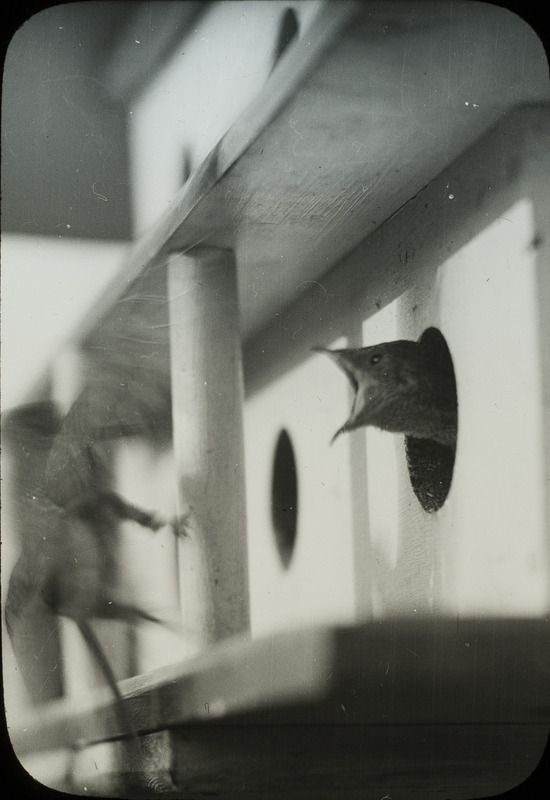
{"x":383,"y":453}
{"x":494,"y":531}
{"x":317,"y":586}
{"x":470,"y":556}
{"x":472,"y":263}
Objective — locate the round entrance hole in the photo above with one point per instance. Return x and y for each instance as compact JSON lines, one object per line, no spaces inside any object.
{"x":430,"y":463}
{"x":284,"y":498}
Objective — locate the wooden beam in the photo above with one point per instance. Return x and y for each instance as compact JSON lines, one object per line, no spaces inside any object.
{"x":335,"y":142}
{"x":207,"y":407}
{"x":356,"y":288}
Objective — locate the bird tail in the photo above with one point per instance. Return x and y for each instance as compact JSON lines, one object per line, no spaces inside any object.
{"x":94,"y":646}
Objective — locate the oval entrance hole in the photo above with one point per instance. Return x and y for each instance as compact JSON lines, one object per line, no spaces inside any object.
{"x":284,"y":498}
{"x":431,"y":464}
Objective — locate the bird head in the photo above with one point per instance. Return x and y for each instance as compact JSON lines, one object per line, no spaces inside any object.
{"x":382,"y":377}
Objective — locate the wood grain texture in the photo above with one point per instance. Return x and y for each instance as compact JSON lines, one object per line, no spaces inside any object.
{"x":412,"y":244}
{"x":357,"y":118}
{"x":485,"y":177}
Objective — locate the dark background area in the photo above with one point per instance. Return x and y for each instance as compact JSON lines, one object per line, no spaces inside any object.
{"x":63,"y":135}
{"x":69,"y":72}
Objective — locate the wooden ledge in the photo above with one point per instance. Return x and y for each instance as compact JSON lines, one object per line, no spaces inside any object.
{"x":392,"y":672}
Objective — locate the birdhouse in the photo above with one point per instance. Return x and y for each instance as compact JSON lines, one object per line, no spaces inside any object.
{"x":380,"y":176}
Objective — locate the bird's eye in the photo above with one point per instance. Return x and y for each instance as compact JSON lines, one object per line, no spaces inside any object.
{"x":375,"y":358}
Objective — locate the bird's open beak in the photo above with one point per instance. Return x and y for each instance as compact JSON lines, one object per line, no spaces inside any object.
{"x":345,"y":363}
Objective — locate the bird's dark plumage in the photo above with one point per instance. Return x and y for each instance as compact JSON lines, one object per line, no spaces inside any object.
{"x":69,"y":515}
{"x":402,"y":386}
{"x":66,"y":516}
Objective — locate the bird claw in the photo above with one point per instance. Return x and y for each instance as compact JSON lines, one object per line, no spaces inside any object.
{"x":180,"y":524}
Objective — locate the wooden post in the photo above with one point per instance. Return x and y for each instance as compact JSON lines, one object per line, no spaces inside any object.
{"x":207,"y":403}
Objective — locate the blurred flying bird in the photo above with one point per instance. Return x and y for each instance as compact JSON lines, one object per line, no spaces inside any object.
{"x":69,"y":553}
{"x":68,"y":515}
